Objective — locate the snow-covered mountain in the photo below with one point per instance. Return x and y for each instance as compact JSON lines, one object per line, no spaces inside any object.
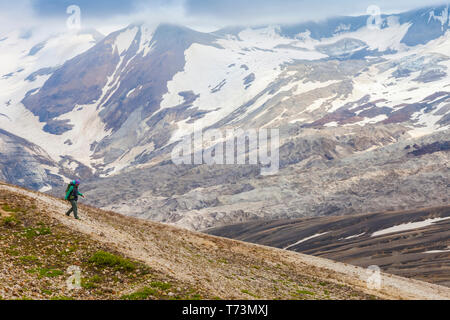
{"x":109,"y":105}
{"x":27,"y":61}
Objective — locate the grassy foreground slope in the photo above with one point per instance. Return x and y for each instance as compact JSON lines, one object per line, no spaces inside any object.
{"x":126,"y":258}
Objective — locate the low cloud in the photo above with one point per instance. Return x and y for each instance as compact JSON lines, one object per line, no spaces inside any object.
{"x":291,"y":11}
{"x":207,"y":15}
{"x":96,"y":8}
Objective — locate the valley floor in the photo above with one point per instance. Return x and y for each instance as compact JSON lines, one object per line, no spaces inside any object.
{"x":413,"y":244}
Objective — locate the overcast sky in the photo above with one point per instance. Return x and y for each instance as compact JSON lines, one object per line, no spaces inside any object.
{"x":107,"y":15}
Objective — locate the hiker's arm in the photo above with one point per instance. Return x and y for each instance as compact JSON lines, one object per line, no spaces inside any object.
{"x":80,"y":194}
{"x":68,"y":193}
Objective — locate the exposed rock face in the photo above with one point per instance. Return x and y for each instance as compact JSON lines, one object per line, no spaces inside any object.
{"x":343,"y":49}
{"x":323,"y":172}
{"x":79,"y":81}
{"x":431,"y":148}
{"x":23,"y":163}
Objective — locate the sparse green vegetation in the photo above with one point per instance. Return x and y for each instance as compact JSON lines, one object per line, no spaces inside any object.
{"x":24,"y":298}
{"x":91,"y":283}
{"x":62,"y":298}
{"x":68,"y":251}
{"x":12,"y":251}
{"x":7,"y":208}
{"x":249,"y":293}
{"x":30,"y":233}
{"x":46,"y":291}
{"x":105,"y":259}
{"x":161,"y":285}
{"x":29,"y":259}
{"x":305,"y":292}
{"x":142,"y":294}
{"x":49,"y":273}
{"x":10,"y":221}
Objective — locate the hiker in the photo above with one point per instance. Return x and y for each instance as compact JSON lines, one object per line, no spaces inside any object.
{"x":72,"y":194}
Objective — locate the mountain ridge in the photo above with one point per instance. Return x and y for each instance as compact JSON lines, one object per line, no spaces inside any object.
{"x":117,"y":110}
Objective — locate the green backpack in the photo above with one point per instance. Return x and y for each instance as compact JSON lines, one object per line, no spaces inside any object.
{"x":68,"y":187}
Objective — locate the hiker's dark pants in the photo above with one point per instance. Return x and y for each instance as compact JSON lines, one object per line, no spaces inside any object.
{"x":74,"y":209}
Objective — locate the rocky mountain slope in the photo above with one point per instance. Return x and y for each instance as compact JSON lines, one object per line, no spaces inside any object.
{"x":122,"y":257}
{"x":347,"y":98}
{"x":28,"y":59}
{"x":25,"y":162}
{"x":333,"y":171}
{"x":413,"y":244}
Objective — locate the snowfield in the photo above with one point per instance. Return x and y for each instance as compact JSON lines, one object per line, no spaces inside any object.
{"x":408,"y":226}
